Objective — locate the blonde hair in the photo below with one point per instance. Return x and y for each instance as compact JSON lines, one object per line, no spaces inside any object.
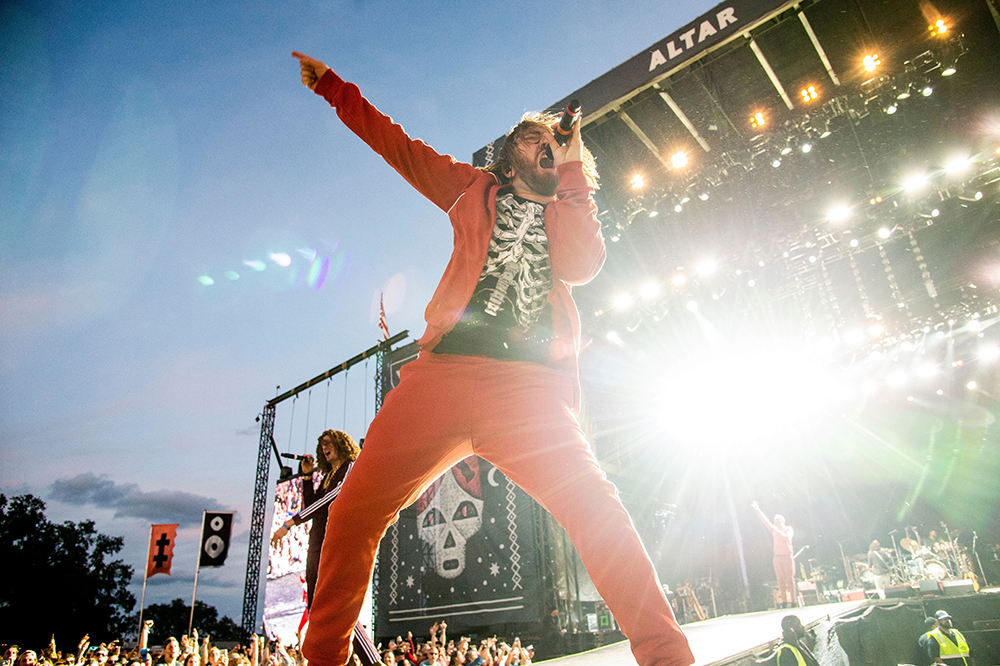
{"x":507,"y":156}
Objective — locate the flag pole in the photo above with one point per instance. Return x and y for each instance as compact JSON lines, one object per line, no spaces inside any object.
{"x":145,"y":576}
{"x":197,"y":568}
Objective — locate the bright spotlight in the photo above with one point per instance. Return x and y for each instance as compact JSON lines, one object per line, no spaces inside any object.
{"x":703,"y":196}
{"x":855,"y":336}
{"x":678,"y":208}
{"x":622,"y":301}
{"x":776,"y":163}
{"x":751,"y":283}
{"x":809,"y":94}
{"x":884,"y":232}
{"x":989,"y":353}
{"x":927,"y":370}
{"x":871,"y":62}
{"x":786,"y":150}
{"x":707,"y":266}
{"x":757,"y":120}
{"x":654,"y":213}
{"x":679,"y":159}
{"x":807,"y":147}
{"x":854,"y":242}
{"x":649,"y":290}
{"x":927,"y":91}
{"x":281,"y":259}
{"x":876,"y":330}
{"x":678,"y":280}
{"x":904,"y":94}
{"x":637,"y":182}
{"x":896,"y":379}
{"x":615,"y":338}
{"x":892,"y":108}
{"x":615,"y":238}
{"x":839,"y":214}
{"x":692,"y":306}
{"x":972,"y":385}
{"x":948,"y":71}
{"x":957,"y":165}
{"x":978,"y":196}
{"x":938,"y":28}
{"x":914,"y":182}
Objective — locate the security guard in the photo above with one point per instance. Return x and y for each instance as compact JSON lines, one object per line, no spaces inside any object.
{"x":948,"y":646}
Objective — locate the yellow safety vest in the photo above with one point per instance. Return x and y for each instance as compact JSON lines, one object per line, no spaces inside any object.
{"x":949,"y":649}
{"x":795,"y":651}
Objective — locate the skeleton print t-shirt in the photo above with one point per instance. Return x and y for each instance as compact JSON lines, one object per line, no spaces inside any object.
{"x":509,"y":316}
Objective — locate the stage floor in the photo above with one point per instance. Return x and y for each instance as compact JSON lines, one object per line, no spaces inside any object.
{"x":717,"y":639}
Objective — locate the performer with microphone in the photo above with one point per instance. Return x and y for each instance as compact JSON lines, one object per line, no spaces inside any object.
{"x":497,"y":371}
{"x":784,"y":556}
{"x":335,"y":455}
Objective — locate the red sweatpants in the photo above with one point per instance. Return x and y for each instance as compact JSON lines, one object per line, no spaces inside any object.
{"x":784,"y":569}
{"x":517,"y":416}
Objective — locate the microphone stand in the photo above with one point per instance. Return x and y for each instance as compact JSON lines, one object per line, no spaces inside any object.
{"x":899,"y":558}
{"x":847,"y":569}
{"x":982,"y":572}
{"x":953,"y":560}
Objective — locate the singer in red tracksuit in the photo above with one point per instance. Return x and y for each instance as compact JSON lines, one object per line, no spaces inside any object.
{"x":496,"y":376}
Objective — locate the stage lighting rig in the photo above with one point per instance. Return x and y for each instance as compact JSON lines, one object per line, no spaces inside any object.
{"x":872,"y":62}
{"x":809,"y":94}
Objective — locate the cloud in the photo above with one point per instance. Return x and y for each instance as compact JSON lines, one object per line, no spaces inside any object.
{"x":129,"y":501}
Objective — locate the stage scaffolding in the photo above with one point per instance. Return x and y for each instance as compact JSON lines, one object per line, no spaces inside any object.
{"x":251,"y":590}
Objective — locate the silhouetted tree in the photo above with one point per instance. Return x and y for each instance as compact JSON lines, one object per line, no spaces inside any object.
{"x":56,"y":578}
{"x":172,"y":620}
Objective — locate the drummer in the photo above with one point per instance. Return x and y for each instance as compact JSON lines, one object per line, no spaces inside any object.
{"x":880,"y":565}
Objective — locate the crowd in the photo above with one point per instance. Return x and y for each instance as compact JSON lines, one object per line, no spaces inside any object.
{"x":437,"y":651}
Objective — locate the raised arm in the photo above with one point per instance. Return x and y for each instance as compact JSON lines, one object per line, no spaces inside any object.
{"x":440,"y":178}
{"x":763,"y":518}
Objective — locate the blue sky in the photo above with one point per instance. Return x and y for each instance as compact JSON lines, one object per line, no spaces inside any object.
{"x":144,"y":145}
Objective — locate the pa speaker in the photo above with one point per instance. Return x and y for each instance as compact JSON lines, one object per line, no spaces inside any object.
{"x":900,"y":592}
{"x":931,"y":588}
{"x":958,"y":588}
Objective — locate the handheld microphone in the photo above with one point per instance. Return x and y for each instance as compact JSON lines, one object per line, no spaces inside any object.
{"x":570,"y":115}
{"x":293,"y":456}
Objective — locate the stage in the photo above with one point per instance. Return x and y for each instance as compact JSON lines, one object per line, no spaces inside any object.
{"x":721,"y":639}
{"x":881,"y":631}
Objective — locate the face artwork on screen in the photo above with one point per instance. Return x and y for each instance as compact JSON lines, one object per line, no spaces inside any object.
{"x":450,"y":512}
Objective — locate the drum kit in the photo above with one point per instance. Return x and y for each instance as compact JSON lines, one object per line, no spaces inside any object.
{"x":914,"y":560}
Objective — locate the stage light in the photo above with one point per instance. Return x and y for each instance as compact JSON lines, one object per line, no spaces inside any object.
{"x":927,"y":91}
{"x":935,"y":212}
{"x":757,"y":120}
{"x":854,"y":242}
{"x":978,"y":196}
{"x":957,"y":165}
{"x":989,"y":353}
{"x":972,"y":385}
{"x":615,"y":338}
{"x":637,"y":182}
{"x":855,"y":336}
{"x":939,"y":392}
{"x":678,"y":280}
{"x":649,"y":290}
{"x":948,"y":71}
{"x":914,"y":183}
{"x":892,"y":108}
{"x":896,"y":378}
{"x":685,"y":199}
{"x":776,"y":163}
{"x":678,"y":208}
{"x":839,"y":214}
{"x":904,"y":94}
{"x":974,"y":325}
{"x":703,"y":196}
{"x":706,"y":267}
{"x":615,"y":238}
{"x":692,"y":306}
{"x":786,"y":150}
{"x":281,"y":259}
{"x":871,"y":62}
{"x":809,"y":94}
{"x":654,"y":213}
{"x":884,"y":232}
{"x":909,"y":398}
{"x":807,"y":147}
{"x":812,"y":259}
{"x":622,"y":301}
{"x":927,"y":370}
{"x":938,"y":28}
{"x":751,"y":283}
{"x":679,"y":159}
{"x":205,"y":280}
{"x":876,"y":330}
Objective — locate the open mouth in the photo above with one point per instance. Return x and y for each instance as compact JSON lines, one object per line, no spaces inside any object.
{"x":546,"y":162}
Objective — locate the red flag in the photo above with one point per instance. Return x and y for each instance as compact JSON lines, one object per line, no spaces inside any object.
{"x":382,"y":324}
{"x":161,"y":549}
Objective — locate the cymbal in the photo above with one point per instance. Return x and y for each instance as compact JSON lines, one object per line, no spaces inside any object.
{"x":909,"y":545}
